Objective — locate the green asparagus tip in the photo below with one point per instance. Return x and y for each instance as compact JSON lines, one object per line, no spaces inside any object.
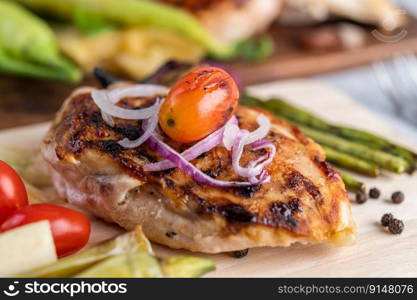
{"x":352,"y":184}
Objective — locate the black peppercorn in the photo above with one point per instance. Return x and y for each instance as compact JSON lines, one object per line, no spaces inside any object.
{"x":374,"y":193}
{"x":240,"y":253}
{"x":386,"y":218}
{"x":396,"y":226}
{"x":397,"y":197}
{"x":361,"y":197}
{"x":171,"y":234}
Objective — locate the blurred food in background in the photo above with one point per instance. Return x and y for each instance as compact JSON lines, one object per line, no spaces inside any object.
{"x":327,"y":38}
{"x":135,"y":37}
{"x":136,"y":52}
{"x":232,"y":20}
{"x":374,"y":12}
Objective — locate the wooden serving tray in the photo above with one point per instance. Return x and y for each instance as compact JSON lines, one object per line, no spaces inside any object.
{"x":376,"y":253}
{"x":290,"y":60}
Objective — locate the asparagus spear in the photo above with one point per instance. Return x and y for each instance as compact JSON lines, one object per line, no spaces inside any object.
{"x":350,"y":162}
{"x":382,"y":159}
{"x":292,"y":113}
{"x":379,"y":143}
{"x":352,"y":184}
{"x":336,"y":145}
{"x":133,"y":241}
{"x":287,"y":111}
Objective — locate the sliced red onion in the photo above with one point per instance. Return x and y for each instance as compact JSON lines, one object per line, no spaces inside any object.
{"x":107,"y":119}
{"x":264,"y":177}
{"x":115,"y":95}
{"x":264,"y":173}
{"x":231,"y":131}
{"x":254,"y":168}
{"x":137,"y":90}
{"x":208,"y":143}
{"x":148,"y":126}
{"x":229,"y":136}
{"x":261,"y":131}
{"x":179,"y":161}
{"x":100,"y":98}
{"x":265,"y":144}
{"x":254,"y":162}
{"x":263,"y":160}
{"x":237,"y":151}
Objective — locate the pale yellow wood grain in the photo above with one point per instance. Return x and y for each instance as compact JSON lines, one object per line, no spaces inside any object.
{"x":376,"y":253}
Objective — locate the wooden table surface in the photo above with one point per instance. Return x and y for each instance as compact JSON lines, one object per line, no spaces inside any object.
{"x":27,"y":101}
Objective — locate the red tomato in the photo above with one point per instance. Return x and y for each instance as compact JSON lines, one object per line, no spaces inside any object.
{"x":12,"y":191}
{"x":70,"y":228}
{"x":198,"y":104}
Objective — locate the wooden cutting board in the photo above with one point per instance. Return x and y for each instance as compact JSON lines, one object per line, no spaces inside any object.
{"x":376,"y":253}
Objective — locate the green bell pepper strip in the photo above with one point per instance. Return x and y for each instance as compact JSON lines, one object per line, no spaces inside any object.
{"x":28,"y":46}
{"x":139,"y":12}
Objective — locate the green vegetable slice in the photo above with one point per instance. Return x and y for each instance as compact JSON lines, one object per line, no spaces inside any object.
{"x":28,"y":46}
{"x":187,"y":266}
{"x":138,"y":12}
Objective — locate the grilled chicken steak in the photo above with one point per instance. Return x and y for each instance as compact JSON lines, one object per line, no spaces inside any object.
{"x":305,"y":200}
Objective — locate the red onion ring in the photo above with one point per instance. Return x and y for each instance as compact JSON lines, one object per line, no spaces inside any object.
{"x":208,"y":143}
{"x":265,"y":144}
{"x":261,"y":131}
{"x":254,"y":171}
{"x":230,"y":135}
{"x":231,"y":131}
{"x":179,"y":161}
{"x":100,"y":98}
{"x":107,"y":119}
{"x":148,"y":126}
{"x":137,"y":90}
{"x":106,"y":101}
{"x":264,"y":177}
{"x":256,"y":167}
{"x":263,"y":160}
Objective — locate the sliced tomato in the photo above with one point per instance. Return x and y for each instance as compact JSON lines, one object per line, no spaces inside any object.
{"x":198,"y":104}
{"x":12,"y":191}
{"x":70,"y":228}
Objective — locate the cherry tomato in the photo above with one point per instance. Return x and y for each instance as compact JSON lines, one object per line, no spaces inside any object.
{"x":12,"y":191}
{"x":198,"y":104}
{"x":70,"y":228}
